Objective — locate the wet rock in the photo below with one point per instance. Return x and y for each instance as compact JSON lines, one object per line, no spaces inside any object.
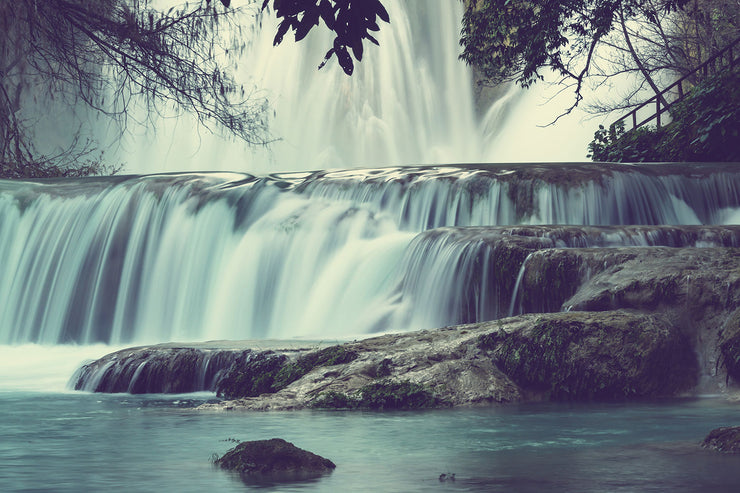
{"x":729,"y":346}
{"x":155,"y":369}
{"x":274,"y":460}
{"x":726,"y":440}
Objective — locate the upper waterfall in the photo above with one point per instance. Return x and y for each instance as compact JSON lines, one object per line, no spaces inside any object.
{"x":410,"y":101}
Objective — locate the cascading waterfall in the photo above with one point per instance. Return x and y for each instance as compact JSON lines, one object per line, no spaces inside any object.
{"x":325,"y":254}
{"x":329,"y":254}
{"x":409,"y":101}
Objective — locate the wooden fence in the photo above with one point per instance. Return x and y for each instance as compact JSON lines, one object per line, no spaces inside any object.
{"x":722,"y":59}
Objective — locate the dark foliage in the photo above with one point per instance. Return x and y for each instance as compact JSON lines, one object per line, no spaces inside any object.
{"x":515,"y":40}
{"x":352,"y":22}
{"x":110,"y":55}
{"x":705,"y":127}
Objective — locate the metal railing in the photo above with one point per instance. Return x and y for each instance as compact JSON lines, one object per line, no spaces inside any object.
{"x":711,"y":63}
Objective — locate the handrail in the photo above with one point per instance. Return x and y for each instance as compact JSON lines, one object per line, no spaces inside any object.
{"x":681,"y":93}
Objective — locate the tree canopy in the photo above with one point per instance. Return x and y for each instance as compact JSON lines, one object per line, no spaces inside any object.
{"x":516,"y":40}
{"x":110,"y":54}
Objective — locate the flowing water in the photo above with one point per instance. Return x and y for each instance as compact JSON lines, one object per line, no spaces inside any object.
{"x":325,"y":255}
{"x":410,"y":101}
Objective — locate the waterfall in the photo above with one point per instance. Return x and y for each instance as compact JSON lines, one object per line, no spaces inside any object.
{"x":326,"y":254}
{"x":409,"y":101}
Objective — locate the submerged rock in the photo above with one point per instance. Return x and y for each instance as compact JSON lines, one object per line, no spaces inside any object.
{"x":726,"y":440}
{"x":274,"y":460}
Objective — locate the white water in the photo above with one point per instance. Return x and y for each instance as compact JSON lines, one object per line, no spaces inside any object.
{"x":197,"y":257}
{"x":39,"y":368}
{"x":410,"y":101}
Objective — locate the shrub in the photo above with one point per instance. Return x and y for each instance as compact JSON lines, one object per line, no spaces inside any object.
{"x":705,"y":127}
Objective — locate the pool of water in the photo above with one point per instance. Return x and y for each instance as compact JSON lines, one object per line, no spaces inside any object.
{"x":70,"y":442}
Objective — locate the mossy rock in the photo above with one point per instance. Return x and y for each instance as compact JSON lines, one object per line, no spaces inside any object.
{"x":551,"y":277}
{"x":274,"y":460}
{"x":381,"y":395}
{"x":729,"y":346}
{"x":251,"y":375}
{"x":595,"y":356}
{"x":330,"y":356}
{"x":257,"y":373}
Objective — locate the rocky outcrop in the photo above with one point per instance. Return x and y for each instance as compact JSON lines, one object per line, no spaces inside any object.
{"x":610,"y":355}
{"x":726,"y":440}
{"x":274,"y":460}
{"x":542,"y":266}
{"x":169,"y":368}
{"x":595,"y":324}
{"x":607,"y":355}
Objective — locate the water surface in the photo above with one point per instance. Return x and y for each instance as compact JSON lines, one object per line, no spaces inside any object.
{"x":69,"y":442}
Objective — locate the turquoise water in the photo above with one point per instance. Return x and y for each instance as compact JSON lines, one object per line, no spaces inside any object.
{"x":67,"y":442}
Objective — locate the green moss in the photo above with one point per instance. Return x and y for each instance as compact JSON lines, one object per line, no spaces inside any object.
{"x":335,"y":400}
{"x":490,"y":341}
{"x":539,"y":360}
{"x":330,"y":356}
{"x":381,"y":395}
{"x":704,"y":128}
{"x":566,"y":359}
{"x":254,"y":374}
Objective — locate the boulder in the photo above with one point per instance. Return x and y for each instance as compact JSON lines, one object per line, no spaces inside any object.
{"x":274,"y":460}
{"x":726,"y":440}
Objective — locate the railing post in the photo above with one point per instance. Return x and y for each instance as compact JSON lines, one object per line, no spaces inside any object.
{"x":713,"y":64}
